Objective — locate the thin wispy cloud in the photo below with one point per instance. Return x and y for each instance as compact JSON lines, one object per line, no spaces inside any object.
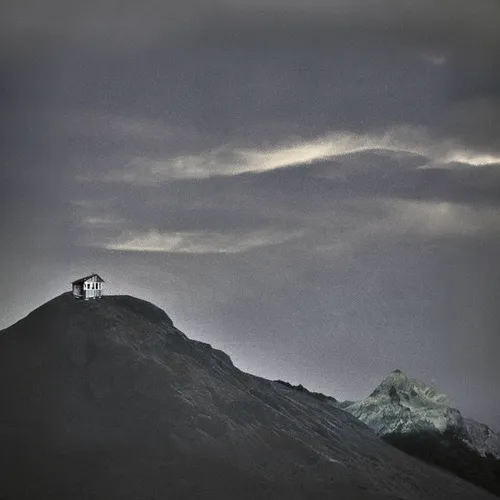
{"x":437,"y":219}
{"x":404,"y":218}
{"x":199,"y":242}
{"x":227,"y":160}
{"x":472,"y":158}
{"x":100,"y":221}
{"x":434,"y":59}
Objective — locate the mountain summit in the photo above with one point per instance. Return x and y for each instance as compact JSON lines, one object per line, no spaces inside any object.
{"x":108,"y":400}
{"x":403,"y":405}
{"x":419,"y":420}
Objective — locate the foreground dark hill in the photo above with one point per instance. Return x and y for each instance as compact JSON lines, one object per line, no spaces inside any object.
{"x":108,"y":400}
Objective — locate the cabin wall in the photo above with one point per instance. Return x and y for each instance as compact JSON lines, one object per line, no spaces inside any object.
{"x":89,"y":289}
{"x":95,"y":290}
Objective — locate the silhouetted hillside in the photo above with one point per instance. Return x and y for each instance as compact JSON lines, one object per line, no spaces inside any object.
{"x":448,"y":451}
{"x":108,"y":400}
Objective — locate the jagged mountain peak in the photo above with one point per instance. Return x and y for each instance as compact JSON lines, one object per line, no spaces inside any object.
{"x":409,"y":392}
{"x":403,"y":405}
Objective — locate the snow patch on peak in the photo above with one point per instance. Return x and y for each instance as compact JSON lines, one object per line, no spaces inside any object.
{"x":402,"y":405}
{"x":410,"y":392}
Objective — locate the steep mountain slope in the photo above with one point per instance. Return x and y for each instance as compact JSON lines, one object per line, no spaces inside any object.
{"x":108,"y":400}
{"x":419,"y":420}
{"x":481,"y":438}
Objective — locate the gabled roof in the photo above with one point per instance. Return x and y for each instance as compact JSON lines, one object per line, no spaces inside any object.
{"x":82,"y":280}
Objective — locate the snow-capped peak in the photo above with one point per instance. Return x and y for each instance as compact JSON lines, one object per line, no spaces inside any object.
{"x":410,"y":392}
{"x":401,"y":405}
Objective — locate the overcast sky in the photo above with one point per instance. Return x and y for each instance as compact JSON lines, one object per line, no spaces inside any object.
{"x":313,"y":187}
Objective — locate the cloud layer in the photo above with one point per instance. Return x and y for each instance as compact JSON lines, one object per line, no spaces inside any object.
{"x":126,"y":25}
{"x":233,"y":161}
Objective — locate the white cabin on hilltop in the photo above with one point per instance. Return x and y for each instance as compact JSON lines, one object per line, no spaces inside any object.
{"x":89,"y":287}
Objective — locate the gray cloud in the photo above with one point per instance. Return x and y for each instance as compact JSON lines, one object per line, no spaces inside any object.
{"x":128,"y":23}
{"x":234,"y":161}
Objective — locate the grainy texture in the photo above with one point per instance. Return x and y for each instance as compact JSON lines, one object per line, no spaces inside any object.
{"x":108,"y":400}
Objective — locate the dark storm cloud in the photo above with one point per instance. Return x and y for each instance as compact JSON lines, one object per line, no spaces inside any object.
{"x":152,"y":20}
{"x":460,"y":34}
{"x":460,"y":184}
{"x":255,"y":94}
{"x":246,"y":70}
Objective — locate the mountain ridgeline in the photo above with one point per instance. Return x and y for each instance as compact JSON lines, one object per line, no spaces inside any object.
{"x":419,"y":420}
{"x":106,"y":399}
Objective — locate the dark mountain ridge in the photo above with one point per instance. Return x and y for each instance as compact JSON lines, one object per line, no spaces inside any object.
{"x":106,"y":399}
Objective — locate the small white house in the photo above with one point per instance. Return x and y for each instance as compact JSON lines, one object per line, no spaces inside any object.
{"x":89,"y":287}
